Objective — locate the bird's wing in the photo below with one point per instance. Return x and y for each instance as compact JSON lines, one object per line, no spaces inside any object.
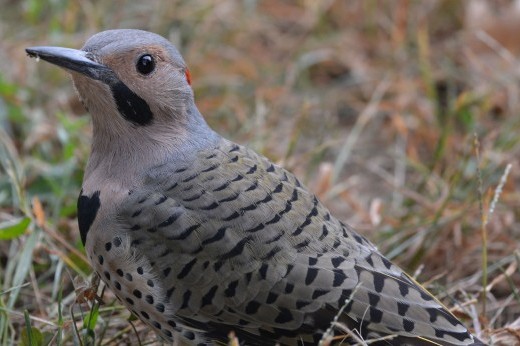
{"x":237,"y":240}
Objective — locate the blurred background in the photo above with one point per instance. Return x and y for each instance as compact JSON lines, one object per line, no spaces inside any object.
{"x":402,"y":116}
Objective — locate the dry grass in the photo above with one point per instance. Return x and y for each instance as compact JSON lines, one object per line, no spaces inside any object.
{"x":375,"y":105}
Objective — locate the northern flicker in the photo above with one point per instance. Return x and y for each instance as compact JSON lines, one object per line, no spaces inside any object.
{"x":199,"y":236}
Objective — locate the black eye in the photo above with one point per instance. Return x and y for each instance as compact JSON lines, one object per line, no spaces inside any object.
{"x":145,"y":64}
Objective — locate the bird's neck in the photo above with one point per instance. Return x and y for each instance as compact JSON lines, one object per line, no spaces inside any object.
{"x":123,"y":155}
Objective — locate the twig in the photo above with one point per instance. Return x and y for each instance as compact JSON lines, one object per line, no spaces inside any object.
{"x":329,"y":332}
{"x":498,"y":190}
{"x":33,"y":318}
{"x":483,"y":218}
{"x":366,"y":115}
{"x":496,"y":46}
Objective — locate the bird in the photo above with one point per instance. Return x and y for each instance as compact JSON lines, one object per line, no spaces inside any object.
{"x":199,"y":236}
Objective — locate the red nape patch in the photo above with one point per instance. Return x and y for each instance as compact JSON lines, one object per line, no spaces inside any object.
{"x":188,"y":76}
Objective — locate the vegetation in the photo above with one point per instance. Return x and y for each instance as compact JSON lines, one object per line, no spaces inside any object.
{"x":403,"y":116}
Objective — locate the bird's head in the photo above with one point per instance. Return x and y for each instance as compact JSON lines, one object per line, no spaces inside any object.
{"x":137,"y":88}
{"x":127,"y":78}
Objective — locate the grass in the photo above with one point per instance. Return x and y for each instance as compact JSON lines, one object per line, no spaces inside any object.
{"x":374,"y":105}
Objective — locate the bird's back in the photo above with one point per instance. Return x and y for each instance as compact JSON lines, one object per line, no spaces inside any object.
{"x":226,"y":240}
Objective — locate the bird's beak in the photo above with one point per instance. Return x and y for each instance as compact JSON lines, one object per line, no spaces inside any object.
{"x":71,"y":59}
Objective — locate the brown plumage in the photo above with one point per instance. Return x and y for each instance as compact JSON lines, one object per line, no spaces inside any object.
{"x":199,"y":236}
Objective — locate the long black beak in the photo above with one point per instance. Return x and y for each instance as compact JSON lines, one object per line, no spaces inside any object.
{"x":73,"y":60}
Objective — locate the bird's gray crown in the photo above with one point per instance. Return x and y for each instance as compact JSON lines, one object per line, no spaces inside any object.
{"x":116,"y":41}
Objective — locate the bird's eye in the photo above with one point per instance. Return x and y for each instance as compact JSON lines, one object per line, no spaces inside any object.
{"x":145,"y":64}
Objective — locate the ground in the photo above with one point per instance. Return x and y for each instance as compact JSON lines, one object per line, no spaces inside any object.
{"x":402,"y":116}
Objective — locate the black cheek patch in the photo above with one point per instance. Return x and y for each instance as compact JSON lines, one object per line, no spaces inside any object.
{"x":130,"y":105}
{"x":87,"y":210}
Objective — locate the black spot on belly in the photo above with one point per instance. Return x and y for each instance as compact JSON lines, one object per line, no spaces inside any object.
{"x":160,"y":307}
{"x":117,"y":242}
{"x":172,"y":323}
{"x":189,"y":335}
{"x":87,"y":210}
{"x":130,"y":105}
